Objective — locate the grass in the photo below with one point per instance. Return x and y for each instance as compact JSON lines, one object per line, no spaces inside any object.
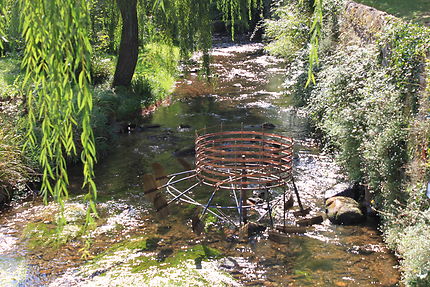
{"x":414,"y":10}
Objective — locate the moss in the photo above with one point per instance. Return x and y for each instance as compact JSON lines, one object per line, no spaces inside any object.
{"x":45,"y":235}
{"x":9,"y":71}
{"x":197,"y":253}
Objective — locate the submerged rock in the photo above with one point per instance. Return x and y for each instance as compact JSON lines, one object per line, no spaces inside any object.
{"x":344,"y":210}
{"x":268,"y":126}
{"x":186,"y":151}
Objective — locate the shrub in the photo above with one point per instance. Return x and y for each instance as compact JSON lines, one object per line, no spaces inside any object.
{"x":14,"y":172}
{"x":288,"y":32}
{"x":102,"y":69}
{"x":155,"y":72}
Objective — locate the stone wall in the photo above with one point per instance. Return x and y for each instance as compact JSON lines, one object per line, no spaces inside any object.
{"x":360,"y":23}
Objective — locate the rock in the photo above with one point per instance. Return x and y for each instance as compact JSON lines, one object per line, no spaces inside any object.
{"x":151,"y":126}
{"x":344,"y":210}
{"x":355,"y":191}
{"x":254,"y":228}
{"x":186,"y":151}
{"x":268,"y":126}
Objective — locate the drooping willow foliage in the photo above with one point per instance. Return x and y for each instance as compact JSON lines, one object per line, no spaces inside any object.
{"x":186,"y":22}
{"x":315,"y":32}
{"x":57,"y":78}
{"x":2,"y":23}
{"x":58,"y":36}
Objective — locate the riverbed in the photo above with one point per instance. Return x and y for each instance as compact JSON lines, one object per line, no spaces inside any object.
{"x":130,"y":245}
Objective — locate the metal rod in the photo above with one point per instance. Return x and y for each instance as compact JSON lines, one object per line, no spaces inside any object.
{"x":182,"y":193}
{"x":243,"y":194}
{"x":176,"y":181}
{"x":210,"y":200}
{"x":192,"y":201}
{"x":283,"y":209}
{"x":180,"y":173}
{"x":264,"y":214}
{"x":268,"y":207}
{"x":235,"y":197}
{"x":297,"y":194}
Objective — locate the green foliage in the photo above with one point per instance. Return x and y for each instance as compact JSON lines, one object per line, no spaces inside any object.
{"x":155,"y":72}
{"x":2,"y":24}
{"x":288,"y":32}
{"x":404,"y":47}
{"x":102,"y":69}
{"x":14,"y":171}
{"x":406,"y":231}
{"x":57,"y":88}
{"x":357,"y":107}
{"x":105,"y":26}
{"x":369,"y":105}
{"x":15,"y":43}
{"x":303,"y":26}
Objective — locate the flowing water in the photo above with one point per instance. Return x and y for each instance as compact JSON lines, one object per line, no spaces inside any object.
{"x":246,"y":91}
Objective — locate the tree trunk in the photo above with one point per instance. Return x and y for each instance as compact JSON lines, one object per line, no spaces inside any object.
{"x":128,"y":48}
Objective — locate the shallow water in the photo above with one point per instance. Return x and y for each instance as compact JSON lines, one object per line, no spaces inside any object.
{"x":245,"y":92}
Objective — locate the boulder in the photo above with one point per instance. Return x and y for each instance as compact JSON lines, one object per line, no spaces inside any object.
{"x":355,"y":191}
{"x":344,"y":210}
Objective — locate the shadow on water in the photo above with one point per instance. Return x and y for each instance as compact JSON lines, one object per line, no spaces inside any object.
{"x":247,"y":91}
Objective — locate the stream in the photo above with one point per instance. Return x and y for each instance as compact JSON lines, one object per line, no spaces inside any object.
{"x":132,"y":246}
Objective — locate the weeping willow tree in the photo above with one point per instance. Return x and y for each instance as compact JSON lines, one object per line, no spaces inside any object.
{"x":57,"y":59}
{"x":57,"y":78}
{"x":315,"y":35}
{"x":2,"y":23}
{"x":186,"y":22}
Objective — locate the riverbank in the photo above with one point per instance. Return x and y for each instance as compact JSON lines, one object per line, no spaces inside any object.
{"x":370,"y":106}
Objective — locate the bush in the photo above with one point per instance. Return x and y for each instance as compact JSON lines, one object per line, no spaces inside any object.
{"x":102,"y":69}
{"x":155,"y":72}
{"x":359,"y":110}
{"x":288,"y":32}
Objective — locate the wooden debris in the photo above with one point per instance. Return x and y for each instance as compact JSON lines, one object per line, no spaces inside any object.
{"x":310,"y":221}
{"x":160,"y":173}
{"x":197,"y":225}
{"x":291,"y":229}
{"x":302,"y":212}
{"x":277,"y":237}
{"x":185,"y":164}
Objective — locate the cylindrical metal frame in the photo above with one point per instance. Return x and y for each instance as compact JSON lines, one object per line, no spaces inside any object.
{"x":243,"y":159}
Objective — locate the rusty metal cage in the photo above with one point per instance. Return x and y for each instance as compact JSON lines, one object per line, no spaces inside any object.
{"x":248,"y":172}
{"x":243,"y":159}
